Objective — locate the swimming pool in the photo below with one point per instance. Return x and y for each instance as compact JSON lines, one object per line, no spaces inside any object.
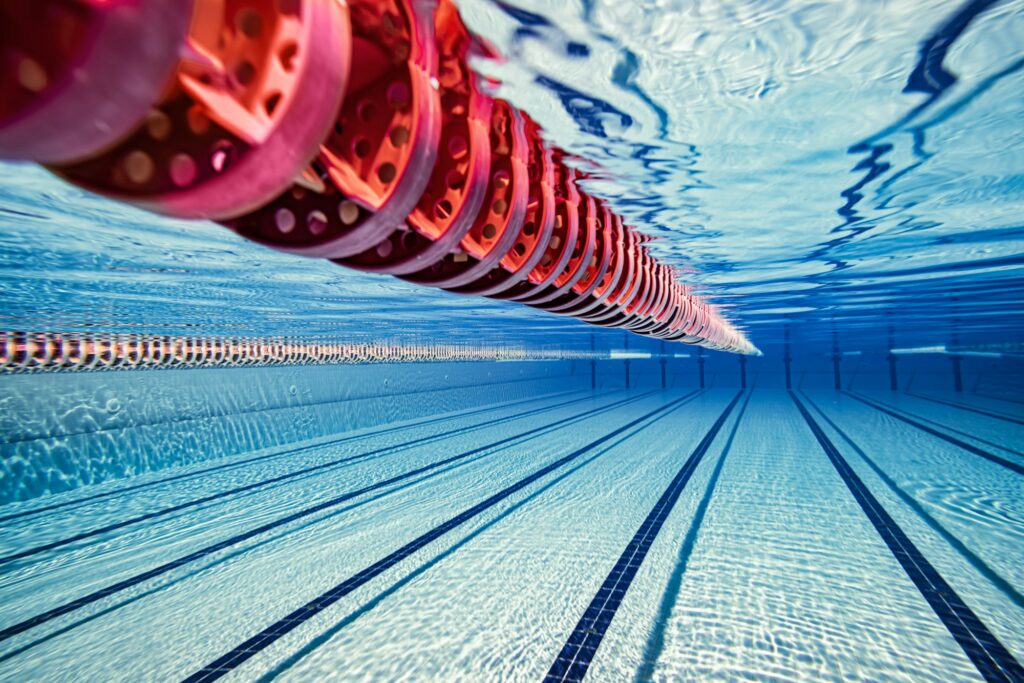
{"x":720,"y":533}
{"x":335,"y":475}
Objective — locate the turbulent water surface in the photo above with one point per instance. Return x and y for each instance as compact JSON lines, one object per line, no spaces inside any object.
{"x":805,"y":162}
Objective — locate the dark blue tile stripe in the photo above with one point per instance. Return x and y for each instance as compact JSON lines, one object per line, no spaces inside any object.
{"x":970,"y":409}
{"x":149,"y":516}
{"x":993,"y":661}
{"x":578,"y":652}
{"x":85,"y":500}
{"x":655,"y":645}
{"x":272,"y":633}
{"x":953,"y":430}
{"x":974,"y":560}
{"x":970,"y":448}
{"x":1005,"y":399}
{"x":135,"y":580}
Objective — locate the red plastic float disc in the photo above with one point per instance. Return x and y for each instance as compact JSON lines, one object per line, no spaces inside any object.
{"x":669,"y":328}
{"x":582,"y":259}
{"x":629,"y":298}
{"x":686,"y":320}
{"x":646,"y":313}
{"x":642,"y":312}
{"x":244,"y":117}
{"x":685,"y":315}
{"x":538,"y":224}
{"x":374,"y":165}
{"x":644,"y":293}
{"x":695,"y":322}
{"x":455,"y":193}
{"x":76,"y":76}
{"x":625,"y":312}
{"x":497,"y":226}
{"x":657,"y":312}
{"x":625,"y":289}
{"x":700,"y":332}
{"x":594,"y":270}
{"x":673,"y":311}
{"x":627,"y":284}
{"x":564,"y":235}
{"x":612,"y":275}
{"x":664,"y":314}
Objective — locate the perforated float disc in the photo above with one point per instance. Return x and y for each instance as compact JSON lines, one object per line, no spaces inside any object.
{"x":458,"y":183}
{"x":538,"y":224}
{"x":500,"y":220}
{"x":76,"y":76}
{"x":243,"y":119}
{"x":374,"y":165}
{"x":558,"y":251}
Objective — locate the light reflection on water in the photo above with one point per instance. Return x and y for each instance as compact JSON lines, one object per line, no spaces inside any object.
{"x":848,"y":158}
{"x":845,"y":163}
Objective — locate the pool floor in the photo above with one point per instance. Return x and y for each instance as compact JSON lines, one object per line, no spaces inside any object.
{"x":617,"y":535}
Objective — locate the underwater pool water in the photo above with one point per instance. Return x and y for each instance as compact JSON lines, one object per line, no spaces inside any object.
{"x":843,"y":179}
{"x":721,"y":534}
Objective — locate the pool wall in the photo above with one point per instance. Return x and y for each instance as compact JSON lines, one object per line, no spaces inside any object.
{"x":63,"y":431}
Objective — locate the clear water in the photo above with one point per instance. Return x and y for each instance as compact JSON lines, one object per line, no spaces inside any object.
{"x":843,"y":178}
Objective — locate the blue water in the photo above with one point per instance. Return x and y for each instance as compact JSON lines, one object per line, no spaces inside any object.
{"x":845,"y":164}
{"x":842,"y":179}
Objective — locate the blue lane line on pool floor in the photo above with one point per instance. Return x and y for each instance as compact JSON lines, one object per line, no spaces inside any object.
{"x":655,"y":645}
{"x":953,"y":430}
{"x":279,"y":451}
{"x":969,"y":555}
{"x":286,"y":477}
{"x":970,"y":409}
{"x":993,"y":661}
{"x":1012,"y":466}
{"x":206,"y":551}
{"x":268,"y":636}
{"x":572,"y":662}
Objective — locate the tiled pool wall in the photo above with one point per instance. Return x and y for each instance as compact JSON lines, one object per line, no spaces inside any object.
{"x":993,"y":377}
{"x":62,"y":431}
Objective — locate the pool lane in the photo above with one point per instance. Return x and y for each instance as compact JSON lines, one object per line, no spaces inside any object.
{"x":274,"y":511}
{"x":993,"y":661}
{"x":575,"y":657}
{"x":1004,"y":404}
{"x":49,"y":581}
{"x":784,"y":579}
{"x":967,"y":407}
{"x":522,"y":583}
{"x":978,"y":500}
{"x":980,"y":431}
{"x":287,"y":465}
{"x":972,"y":507}
{"x":119,"y":488}
{"x":1000,"y":435}
{"x":208,"y":612}
{"x":1011,"y":592}
{"x":928,"y":426}
{"x":57,"y":523}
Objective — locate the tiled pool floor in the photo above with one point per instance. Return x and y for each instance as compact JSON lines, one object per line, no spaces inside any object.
{"x":681,"y":535}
